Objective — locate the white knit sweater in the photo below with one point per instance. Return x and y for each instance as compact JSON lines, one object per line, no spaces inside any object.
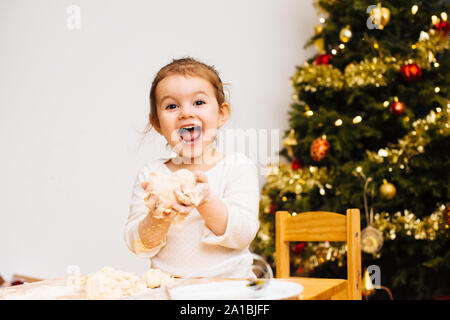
{"x":192,"y":249}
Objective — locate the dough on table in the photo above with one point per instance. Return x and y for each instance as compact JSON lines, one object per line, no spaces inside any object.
{"x":164,"y":185}
{"x":109,"y":283}
{"x":155,"y":278}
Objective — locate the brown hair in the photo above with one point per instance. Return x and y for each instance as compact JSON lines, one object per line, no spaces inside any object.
{"x":187,"y":67}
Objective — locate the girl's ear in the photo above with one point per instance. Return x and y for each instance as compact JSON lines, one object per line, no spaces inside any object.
{"x":224,"y":113}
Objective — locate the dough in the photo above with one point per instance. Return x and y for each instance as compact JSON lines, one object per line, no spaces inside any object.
{"x":109,"y":283}
{"x":163,"y":186}
{"x":155,"y":278}
{"x":105,"y":284}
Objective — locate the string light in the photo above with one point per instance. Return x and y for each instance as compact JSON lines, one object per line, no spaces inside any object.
{"x":375,"y":45}
{"x":333,"y":51}
{"x":312,"y":169}
{"x":444,"y":16}
{"x":434,"y":20}
{"x":386,"y":104}
{"x":341,"y":46}
{"x":357,"y":119}
{"x":338,"y":123}
{"x":437,"y":89}
{"x":322,"y":20}
{"x":438,"y":109}
{"x":414,"y":9}
{"x":436,"y":64}
{"x":309,"y":113}
{"x":382,"y":153}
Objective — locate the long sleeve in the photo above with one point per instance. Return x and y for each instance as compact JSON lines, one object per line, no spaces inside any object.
{"x":137,"y":213}
{"x":241,"y":196}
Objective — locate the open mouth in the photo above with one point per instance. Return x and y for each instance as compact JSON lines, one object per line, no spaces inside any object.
{"x":190,"y":135}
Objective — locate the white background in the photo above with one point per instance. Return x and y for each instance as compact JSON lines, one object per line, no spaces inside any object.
{"x":72,"y":104}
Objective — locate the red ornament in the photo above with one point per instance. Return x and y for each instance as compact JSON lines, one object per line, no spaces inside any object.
{"x":296,"y":164}
{"x":411,"y":72}
{"x":299,"y":270}
{"x":397,"y":107}
{"x":299,"y":248}
{"x":323,"y":59}
{"x":443,"y":27}
{"x":319,"y":149}
{"x":273,"y":208}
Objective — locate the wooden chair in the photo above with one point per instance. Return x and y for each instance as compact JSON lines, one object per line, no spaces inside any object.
{"x":321,"y":226}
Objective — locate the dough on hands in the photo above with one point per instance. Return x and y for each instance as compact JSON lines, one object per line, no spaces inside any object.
{"x":163,"y":187}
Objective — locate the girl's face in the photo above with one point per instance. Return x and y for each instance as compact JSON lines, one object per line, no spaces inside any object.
{"x":189,"y":114}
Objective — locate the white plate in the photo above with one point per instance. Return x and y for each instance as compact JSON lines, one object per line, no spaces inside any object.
{"x":236,"y":290}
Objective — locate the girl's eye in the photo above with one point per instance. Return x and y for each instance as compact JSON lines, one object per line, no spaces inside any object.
{"x":170,"y":106}
{"x":201,"y":102}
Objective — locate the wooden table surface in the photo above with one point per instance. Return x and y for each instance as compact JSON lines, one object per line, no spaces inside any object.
{"x":314,"y":289}
{"x":321,"y":289}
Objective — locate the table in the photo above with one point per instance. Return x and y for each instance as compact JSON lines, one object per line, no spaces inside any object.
{"x":314,"y":288}
{"x":322,"y":289}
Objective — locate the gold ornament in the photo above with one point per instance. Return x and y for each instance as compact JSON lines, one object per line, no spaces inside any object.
{"x":387,"y":190}
{"x":380,"y":16}
{"x":289,"y":142}
{"x":367,"y":288}
{"x":272,"y":170}
{"x":310,"y":77}
{"x":408,"y":225}
{"x":345,"y":34}
{"x":319,"y":42}
{"x":369,"y":72}
{"x":371,"y":240}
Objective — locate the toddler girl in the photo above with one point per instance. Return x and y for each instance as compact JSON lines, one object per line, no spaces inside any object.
{"x":187,"y":107}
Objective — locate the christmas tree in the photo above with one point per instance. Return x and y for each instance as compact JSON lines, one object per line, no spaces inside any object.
{"x":369,"y":129}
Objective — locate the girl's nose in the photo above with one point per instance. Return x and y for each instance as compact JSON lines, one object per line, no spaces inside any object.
{"x":187,"y":111}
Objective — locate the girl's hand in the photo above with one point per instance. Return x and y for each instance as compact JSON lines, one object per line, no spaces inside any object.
{"x":152,"y":201}
{"x":201,"y":189}
{"x":156,"y":205}
{"x":202,"y":186}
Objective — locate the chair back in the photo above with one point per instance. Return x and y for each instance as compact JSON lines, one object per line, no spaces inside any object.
{"x":321,"y":226}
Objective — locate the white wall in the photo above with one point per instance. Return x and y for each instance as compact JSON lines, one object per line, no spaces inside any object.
{"x":72,"y":103}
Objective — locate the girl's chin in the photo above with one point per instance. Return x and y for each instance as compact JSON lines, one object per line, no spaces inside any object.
{"x":189,"y":150}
